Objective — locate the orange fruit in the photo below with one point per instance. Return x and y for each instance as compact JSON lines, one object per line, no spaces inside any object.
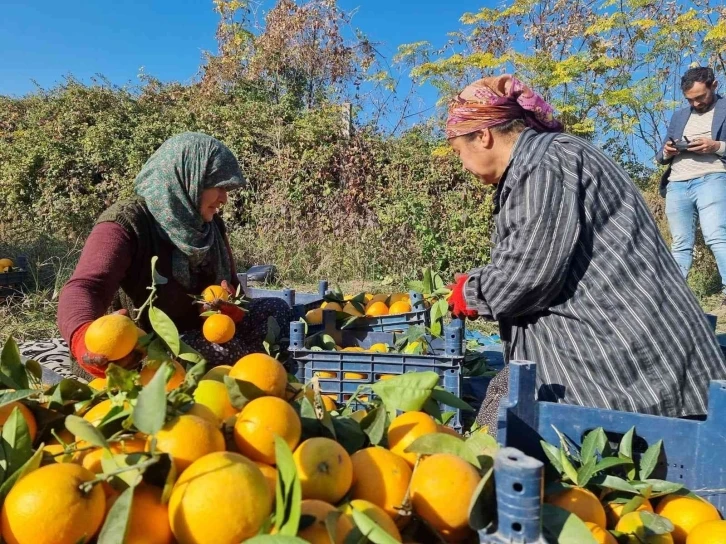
{"x":316,"y":533}
{"x":92,"y":459}
{"x":314,"y":317}
{"x":48,"y":507}
{"x":217,"y":373}
{"x":218,"y":328}
{"x":187,"y":438}
{"x":685,"y":513}
{"x":354,"y":375}
{"x":222,"y":498}
{"x":6,"y":263}
{"x":600,"y":535}
{"x":376,"y":309}
{"x":28,"y":416}
{"x":331,"y":306}
{"x":378,"y":348}
{"x":346,"y":522}
{"x":270,"y":474}
{"x":214,"y":396}
{"x":324,"y":468}
{"x":632,"y":524}
{"x":400,"y":307}
{"x":204,"y":412}
{"x":114,"y":336}
{"x":329,"y":403}
{"x":259,"y":422}
{"x":351,"y":309}
{"x":149,"y":518}
{"x":324,"y":374}
{"x":98,"y":384}
{"x":262,"y":371}
{"x":149,"y":371}
{"x":581,"y":502}
{"x":710,"y":532}
{"x":96,"y":414}
{"x":354,"y":349}
{"x":399,"y":297}
{"x":442,"y":487}
{"x":380,"y":477}
{"x":376,"y":298}
{"x":214,"y":292}
{"x":405,"y":429}
{"x":614,"y":511}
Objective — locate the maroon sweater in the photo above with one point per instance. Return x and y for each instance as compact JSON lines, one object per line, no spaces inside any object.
{"x":113,"y":258}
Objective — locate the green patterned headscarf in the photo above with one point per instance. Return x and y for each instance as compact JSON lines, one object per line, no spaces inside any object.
{"x":171,"y":183}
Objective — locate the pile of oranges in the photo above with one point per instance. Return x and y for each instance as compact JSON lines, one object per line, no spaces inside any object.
{"x":370,"y":305}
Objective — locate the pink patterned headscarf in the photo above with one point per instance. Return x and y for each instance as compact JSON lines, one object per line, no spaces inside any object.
{"x":494,"y":101}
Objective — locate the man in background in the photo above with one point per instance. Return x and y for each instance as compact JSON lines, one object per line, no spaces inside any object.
{"x":694,"y":185}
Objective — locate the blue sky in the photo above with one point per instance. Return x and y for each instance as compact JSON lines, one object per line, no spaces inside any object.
{"x":43,"y":40}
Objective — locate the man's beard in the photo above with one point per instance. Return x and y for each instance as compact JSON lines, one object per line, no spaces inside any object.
{"x":705,"y":108}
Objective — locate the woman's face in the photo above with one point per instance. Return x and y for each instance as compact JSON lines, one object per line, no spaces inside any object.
{"x":475,"y":152}
{"x":212,"y":199}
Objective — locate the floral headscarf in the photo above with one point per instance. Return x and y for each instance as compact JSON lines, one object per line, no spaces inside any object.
{"x":171,"y":183}
{"x":494,"y":101}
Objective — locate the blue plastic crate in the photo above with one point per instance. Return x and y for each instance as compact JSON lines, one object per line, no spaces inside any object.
{"x":12,"y":282}
{"x":446,"y":359}
{"x":518,"y":489}
{"x":300,"y":303}
{"x":693,"y":451}
{"x":419,"y":315}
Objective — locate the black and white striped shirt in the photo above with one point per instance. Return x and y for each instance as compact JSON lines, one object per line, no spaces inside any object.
{"x":583,"y":284}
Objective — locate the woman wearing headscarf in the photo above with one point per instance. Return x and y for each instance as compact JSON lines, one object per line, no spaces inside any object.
{"x":173,"y":216}
{"x":580,"y":279}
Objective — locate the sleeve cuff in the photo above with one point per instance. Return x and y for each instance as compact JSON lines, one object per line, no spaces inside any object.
{"x":473,"y":296}
{"x":722,"y":149}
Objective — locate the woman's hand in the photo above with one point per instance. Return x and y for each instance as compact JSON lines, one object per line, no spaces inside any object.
{"x":457,"y":304}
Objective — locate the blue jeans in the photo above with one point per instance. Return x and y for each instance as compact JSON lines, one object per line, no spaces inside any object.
{"x":703,"y":198}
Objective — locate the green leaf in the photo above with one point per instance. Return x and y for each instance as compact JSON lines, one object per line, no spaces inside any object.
{"x":432,"y":408}
{"x":374,"y":425}
{"x":241,"y":392}
{"x":658,"y":487}
{"x":415,"y":285}
{"x":482,"y":444}
{"x":117,"y":520}
{"x":615,"y":483}
{"x":189,"y":354}
{"x":34,"y":372}
{"x":429,"y":444}
{"x":11,"y":366}
{"x":649,"y":460}
{"x":83,"y":430}
{"x":626,"y":444}
{"x":150,"y":410}
{"x":6,"y":397}
{"x":17,"y":444}
{"x":32,"y":464}
{"x":449,"y":399}
{"x":655,"y":524}
{"x":289,"y":492}
{"x":586,"y":472}
{"x":483,"y":506}
{"x":610,"y":462}
{"x":275,"y":539}
{"x":68,"y":390}
{"x":165,"y":328}
{"x":370,"y":529}
{"x":349,"y":434}
{"x":428,"y":284}
{"x":590,"y":445}
{"x":563,"y":527}
{"x":407,"y":392}
{"x":632,"y":505}
{"x":567,"y":467}
{"x":120,"y":378}
{"x":157,"y":351}
{"x":553,"y":454}
{"x":131,"y":476}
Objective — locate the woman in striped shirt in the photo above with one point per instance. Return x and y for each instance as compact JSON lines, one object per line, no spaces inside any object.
{"x":580,"y":279}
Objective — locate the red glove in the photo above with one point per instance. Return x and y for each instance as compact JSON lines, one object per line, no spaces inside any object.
{"x":94,"y":363}
{"x":457,"y":304}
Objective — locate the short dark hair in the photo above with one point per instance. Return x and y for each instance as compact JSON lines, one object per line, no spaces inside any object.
{"x":700,"y":74}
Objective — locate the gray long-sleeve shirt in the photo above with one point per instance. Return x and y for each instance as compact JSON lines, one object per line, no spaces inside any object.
{"x":583,"y":284}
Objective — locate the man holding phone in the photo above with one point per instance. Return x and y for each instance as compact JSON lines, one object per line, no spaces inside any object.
{"x":694,"y":185}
